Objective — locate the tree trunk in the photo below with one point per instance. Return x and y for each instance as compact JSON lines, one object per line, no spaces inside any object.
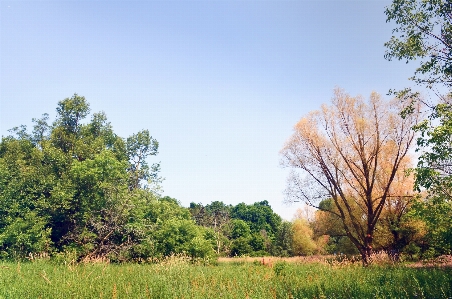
{"x":366,"y":250}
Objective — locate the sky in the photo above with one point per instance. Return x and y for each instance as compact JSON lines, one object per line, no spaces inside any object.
{"x":219,"y":84}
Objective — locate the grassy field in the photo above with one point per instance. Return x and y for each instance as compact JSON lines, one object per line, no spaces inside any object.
{"x":179,"y":279}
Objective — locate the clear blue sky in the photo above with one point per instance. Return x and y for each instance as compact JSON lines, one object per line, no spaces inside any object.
{"x":219,"y":84}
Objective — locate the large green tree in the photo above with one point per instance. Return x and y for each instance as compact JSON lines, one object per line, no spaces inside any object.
{"x":215,"y":216}
{"x":259,"y":216}
{"x":424,"y":31}
{"x":75,"y":185}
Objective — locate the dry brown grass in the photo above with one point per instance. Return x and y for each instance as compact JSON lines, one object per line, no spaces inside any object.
{"x":441,"y":261}
{"x":271,"y":260}
{"x":378,"y":258}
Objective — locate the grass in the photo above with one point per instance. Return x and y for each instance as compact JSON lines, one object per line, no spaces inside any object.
{"x":179,"y":279}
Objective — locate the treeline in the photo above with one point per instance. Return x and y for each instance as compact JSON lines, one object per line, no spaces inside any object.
{"x":241,"y":229}
{"x":73,"y":186}
{"x":254,"y":230}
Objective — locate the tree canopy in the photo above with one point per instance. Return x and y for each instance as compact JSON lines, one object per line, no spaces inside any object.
{"x":74,"y":185}
{"x":351,"y":152}
{"x":424,"y":31}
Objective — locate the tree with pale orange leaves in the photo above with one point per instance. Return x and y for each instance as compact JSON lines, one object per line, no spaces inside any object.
{"x":350,"y":151}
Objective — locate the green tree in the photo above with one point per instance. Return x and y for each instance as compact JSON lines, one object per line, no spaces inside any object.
{"x":139,"y":147}
{"x":303,"y":243}
{"x":27,"y":234}
{"x":216,"y":216}
{"x":71,"y":182}
{"x":259,"y":216}
{"x":25,"y":188}
{"x":283,"y":240}
{"x":176,"y":236}
{"x":262,"y":221}
{"x":240,"y":229}
{"x":433,"y":173}
{"x":66,"y":128}
{"x":423,"y":30}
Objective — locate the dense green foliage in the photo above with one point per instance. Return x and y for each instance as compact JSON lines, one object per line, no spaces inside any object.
{"x":228,"y":280}
{"x":434,"y":174}
{"x":424,"y":31}
{"x":242,"y":229}
{"x":75,"y":186}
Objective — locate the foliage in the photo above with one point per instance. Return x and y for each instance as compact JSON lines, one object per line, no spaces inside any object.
{"x":259,"y":216}
{"x":433,"y":173}
{"x":436,"y":211}
{"x":76,"y":186}
{"x":327,"y":225}
{"x":350,"y":151}
{"x":214,"y":215}
{"x":176,"y":236}
{"x":283,"y":240}
{"x":241,"y":246}
{"x":303,"y":244}
{"x":139,"y":146}
{"x":27,"y":234}
{"x":423,"y":30}
{"x":239,"y":230}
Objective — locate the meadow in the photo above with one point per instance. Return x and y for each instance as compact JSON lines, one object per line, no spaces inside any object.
{"x":234,"y":279}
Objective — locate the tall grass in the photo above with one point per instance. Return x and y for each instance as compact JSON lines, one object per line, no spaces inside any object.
{"x":180,"y":279}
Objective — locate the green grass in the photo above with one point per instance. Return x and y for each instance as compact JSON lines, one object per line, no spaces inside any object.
{"x":44,"y":279}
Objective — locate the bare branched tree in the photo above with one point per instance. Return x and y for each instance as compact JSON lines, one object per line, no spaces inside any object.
{"x":350,"y":151}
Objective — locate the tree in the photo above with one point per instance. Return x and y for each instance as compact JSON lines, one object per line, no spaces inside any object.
{"x":302,"y":242}
{"x":214,"y":215}
{"x":259,"y":216}
{"x":397,"y":228}
{"x":241,"y":238}
{"x":176,"y":236}
{"x":67,"y":126}
{"x":434,"y":173}
{"x":140,"y":146}
{"x":263,"y":222}
{"x":241,"y":229}
{"x":283,"y":240}
{"x":329,"y":232}
{"x":351,"y":152}
{"x":66,"y":186}
{"x":424,"y":30}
